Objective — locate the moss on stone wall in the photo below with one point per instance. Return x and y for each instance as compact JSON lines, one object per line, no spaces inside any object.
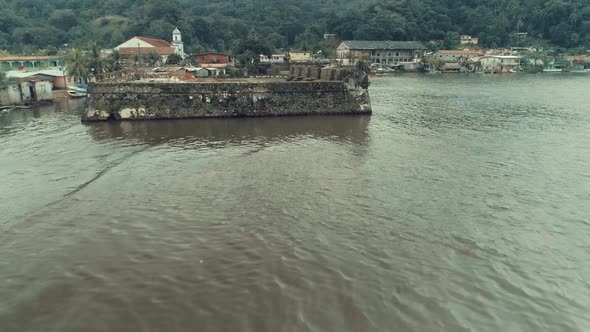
{"x":137,"y":101}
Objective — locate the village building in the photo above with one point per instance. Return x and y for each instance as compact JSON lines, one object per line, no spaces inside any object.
{"x":458,"y":56}
{"x":468,"y":40}
{"x":500,"y":63}
{"x":273,"y":59}
{"x":142,"y":46}
{"x":213,"y":58}
{"x":394,"y":53}
{"x":300,"y":56}
{"x":214,"y":62}
{"x":579,"y":62}
{"x":28,"y":62}
{"x":452,"y":67}
{"x":521,"y":50}
{"x":329,"y":36}
{"x":26,"y":88}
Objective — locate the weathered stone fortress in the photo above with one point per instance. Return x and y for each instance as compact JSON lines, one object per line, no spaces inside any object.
{"x":321,"y":91}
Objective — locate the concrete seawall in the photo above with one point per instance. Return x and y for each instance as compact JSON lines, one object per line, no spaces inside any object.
{"x":151,"y":100}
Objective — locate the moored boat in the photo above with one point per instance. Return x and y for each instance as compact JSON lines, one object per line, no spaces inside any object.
{"x":76,"y":94}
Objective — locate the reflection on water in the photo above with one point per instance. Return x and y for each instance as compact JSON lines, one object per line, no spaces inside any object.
{"x":348,"y":128}
{"x":461,"y":204}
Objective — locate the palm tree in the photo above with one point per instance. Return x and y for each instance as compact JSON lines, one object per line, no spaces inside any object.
{"x":153,"y":58}
{"x":173,"y":59}
{"x":535,"y":61}
{"x":115,"y":60}
{"x":136,"y":59}
{"x":77,"y":65}
{"x":96,"y":63}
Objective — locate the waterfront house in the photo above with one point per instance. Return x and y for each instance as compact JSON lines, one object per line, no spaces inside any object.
{"x":452,"y":67}
{"x":500,"y":63}
{"x":394,"y":53}
{"x":468,"y":40}
{"x":458,"y":56}
{"x":57,"y":76}
{"x":26,"y":88}
{"x":579,"y":62}
{"x":30,"y":62}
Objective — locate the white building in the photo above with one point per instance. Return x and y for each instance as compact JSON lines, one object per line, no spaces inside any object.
{"x":177,"y":43}
{"x":468,"y":40}
{"x":406,"y":53}
{"x":300,"y":56}
{"x":500,"y":63}
{"x":274,"y":58}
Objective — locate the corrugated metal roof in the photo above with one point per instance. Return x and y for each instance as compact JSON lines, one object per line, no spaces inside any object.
{"x":461,"y":52}
{"x":383,"y":45}
{"x":213,"y":65}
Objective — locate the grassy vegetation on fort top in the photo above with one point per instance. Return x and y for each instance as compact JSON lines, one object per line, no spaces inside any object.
{"x":30,"y":25}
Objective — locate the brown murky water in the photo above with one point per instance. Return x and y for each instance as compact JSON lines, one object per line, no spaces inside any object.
{"x":462,"y":204}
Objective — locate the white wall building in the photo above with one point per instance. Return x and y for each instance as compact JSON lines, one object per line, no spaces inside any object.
{"x":500,"y":63}
{"x":177,"y":43}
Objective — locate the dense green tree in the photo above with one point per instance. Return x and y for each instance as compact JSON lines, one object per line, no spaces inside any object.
{"x":29,"y":25}
{"x":451,"y":41}
{"x":115,"y":60}
{"x":249,"y":50}
{"x":173,"y":59}
{"x":153,"y":58}
{"x":63,"y":19}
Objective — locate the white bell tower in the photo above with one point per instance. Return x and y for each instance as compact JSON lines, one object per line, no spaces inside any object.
{"x":177,"y":43}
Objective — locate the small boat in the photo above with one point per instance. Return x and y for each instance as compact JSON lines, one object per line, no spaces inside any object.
{"x":6,"y":108}
{"x":76,"y":94}
{"x":78,"y":89}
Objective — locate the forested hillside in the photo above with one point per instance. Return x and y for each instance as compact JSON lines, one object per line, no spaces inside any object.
{"x":29,"y":25}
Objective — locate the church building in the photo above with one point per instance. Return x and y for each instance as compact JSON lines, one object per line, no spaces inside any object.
{"x":143,"y":46}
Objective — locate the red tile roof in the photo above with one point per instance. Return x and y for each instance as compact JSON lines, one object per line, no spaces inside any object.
{"x":211,"y":53}
{"x":146,"y":50}
{"x":155,"y":42}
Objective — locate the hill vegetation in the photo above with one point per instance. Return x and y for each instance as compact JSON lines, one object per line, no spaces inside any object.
{"x":29,"y":25}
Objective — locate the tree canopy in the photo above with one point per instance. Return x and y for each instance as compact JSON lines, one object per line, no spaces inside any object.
{"x":223,"y":25}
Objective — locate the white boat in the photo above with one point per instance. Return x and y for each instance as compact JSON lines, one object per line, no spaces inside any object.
{"x":77,"y":89}
{"x":76,"y":94}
